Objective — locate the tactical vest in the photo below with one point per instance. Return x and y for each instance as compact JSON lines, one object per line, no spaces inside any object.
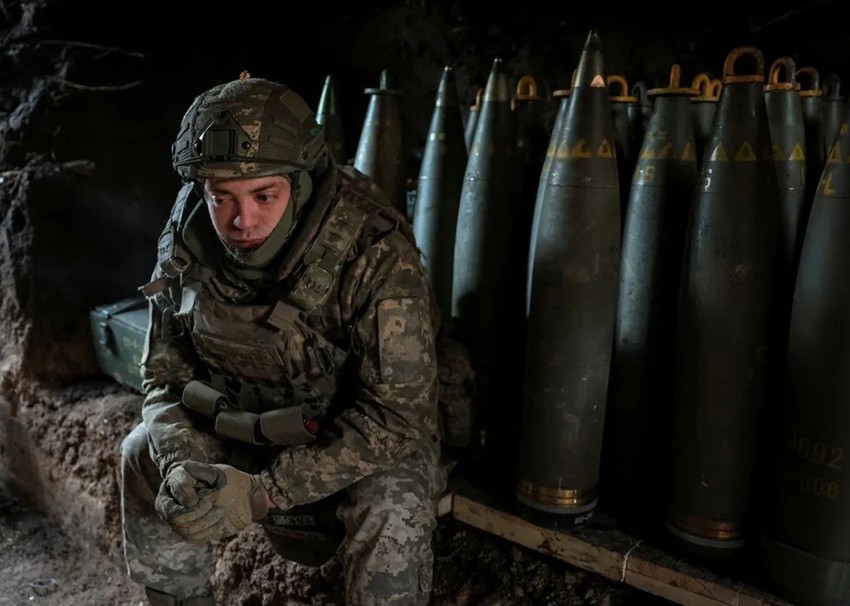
{"x":272,"y":375}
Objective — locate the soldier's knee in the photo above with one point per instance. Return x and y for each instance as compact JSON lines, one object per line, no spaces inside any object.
{"x":135,"y":443}
{"x":135,"y":456}
{"x":405,"y":518}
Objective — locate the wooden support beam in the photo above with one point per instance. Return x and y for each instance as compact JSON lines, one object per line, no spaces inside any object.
{"x":612,"y":554}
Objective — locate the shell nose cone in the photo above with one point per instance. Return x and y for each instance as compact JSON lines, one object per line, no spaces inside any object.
{"x":327,"y":100}
{"x":591,"y":64}
{"x":497,"y":83}
{"x":447,"y":91}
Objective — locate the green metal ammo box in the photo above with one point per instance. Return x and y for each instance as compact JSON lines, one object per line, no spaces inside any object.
{"x":119,"y":331}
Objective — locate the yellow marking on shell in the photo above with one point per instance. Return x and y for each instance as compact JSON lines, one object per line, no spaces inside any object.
{"x":667,"y":151}
{"x":834,"y":154}
{"x":580,"y":149}
{"x":606,"y":150}
{"x":745,"y":153}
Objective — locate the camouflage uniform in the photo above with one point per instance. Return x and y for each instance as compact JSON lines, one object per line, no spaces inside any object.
{"x":343,"y":327}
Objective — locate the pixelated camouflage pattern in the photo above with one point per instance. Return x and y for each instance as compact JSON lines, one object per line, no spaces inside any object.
{"x":156,"y":556}
{"x":384,"y":421}
{"x":389,"y":518}
{"x":402,"y":346}
{"x":388,"y":559}
{"x":273,"y":131}
{"x":382,"y":311}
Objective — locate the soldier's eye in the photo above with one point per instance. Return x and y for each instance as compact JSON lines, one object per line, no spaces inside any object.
{"x":217,"y":200}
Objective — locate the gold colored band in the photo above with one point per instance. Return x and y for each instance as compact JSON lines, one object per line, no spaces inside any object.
{"x":557,"y":496}
{"x":721,"y":530}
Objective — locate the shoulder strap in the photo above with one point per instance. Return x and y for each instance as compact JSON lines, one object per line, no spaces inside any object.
{"x":173,"y":258}
{"x":325,"y":255}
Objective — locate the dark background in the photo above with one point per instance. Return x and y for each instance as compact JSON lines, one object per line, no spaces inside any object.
{"x":120,"y":75}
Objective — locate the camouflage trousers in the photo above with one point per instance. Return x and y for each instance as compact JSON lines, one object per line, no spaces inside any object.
{"x":389,"y":520}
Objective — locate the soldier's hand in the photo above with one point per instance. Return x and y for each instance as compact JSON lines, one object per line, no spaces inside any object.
{"x":181,"y":496}
{"x":236,"y":500}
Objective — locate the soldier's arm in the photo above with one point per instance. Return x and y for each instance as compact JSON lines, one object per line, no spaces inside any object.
{"x":395,"y":406}
{"x":167,"y":365}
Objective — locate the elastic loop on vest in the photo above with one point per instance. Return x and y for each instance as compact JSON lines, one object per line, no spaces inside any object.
{"x":202,"y":398}
{"x":239,"y":425}
{"x":290,"y":426}
{"x":286,"y":426}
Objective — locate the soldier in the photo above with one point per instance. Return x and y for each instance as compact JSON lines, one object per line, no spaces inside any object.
{"x":289,"y":371}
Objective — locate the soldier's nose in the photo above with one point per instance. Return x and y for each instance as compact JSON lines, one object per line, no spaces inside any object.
{"x":246,"y":215}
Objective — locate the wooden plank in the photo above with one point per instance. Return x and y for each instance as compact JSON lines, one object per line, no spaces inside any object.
{"x":612,"y":554}
{"x":566,"y":547}
{"x":650,"y":562}
{"x":668,"y":592}
{"x":445,"y":504}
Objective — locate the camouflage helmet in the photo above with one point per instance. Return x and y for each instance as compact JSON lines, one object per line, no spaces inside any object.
{"x":248,"y":127}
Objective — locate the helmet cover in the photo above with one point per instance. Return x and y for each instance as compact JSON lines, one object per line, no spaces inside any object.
{"x":248,"y":127}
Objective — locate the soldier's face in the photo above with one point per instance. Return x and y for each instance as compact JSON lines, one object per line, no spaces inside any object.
{"x":245,"y":211}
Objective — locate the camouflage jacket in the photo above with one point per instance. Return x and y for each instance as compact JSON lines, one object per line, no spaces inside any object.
{"x":349,"y":330}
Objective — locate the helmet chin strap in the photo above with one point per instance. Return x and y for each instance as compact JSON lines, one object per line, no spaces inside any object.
{"x":251,"y":264}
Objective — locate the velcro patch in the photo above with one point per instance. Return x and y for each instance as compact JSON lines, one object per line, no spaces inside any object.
{"x":404,"y":341}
